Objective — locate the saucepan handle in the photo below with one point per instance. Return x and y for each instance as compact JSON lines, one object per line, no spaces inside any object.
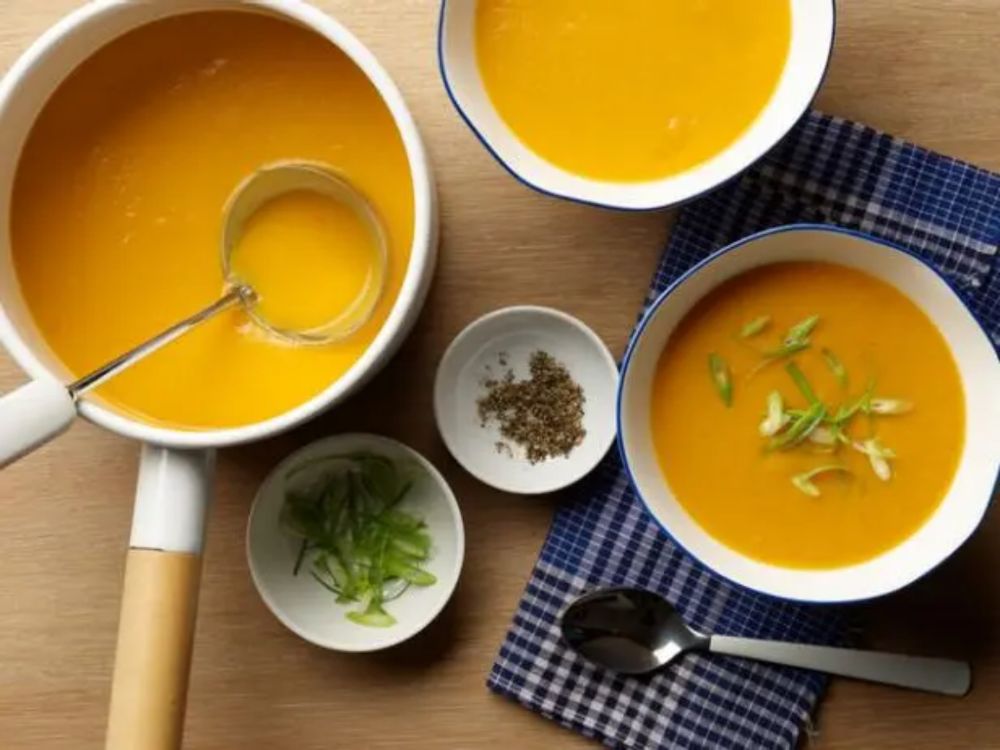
{"x":159,"y":601}
{"x":31,"y":416}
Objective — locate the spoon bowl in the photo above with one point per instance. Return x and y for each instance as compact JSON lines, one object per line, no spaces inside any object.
{"x":628,"y":630}
{"x":631,"y":631}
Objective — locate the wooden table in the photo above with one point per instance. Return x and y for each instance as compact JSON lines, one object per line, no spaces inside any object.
{"x":923,"y":69}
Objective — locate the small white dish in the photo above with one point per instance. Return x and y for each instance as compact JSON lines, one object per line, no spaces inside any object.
{"x":308,"y":609}
{"x":512,"y":335}
{"x":813,"y":24}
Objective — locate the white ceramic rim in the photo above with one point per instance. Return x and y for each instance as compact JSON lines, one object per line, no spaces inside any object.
{"x":452,"y":584}
{"x":812,"y":37}
{"x":581,"y":469}
{"x":415,"y":282}
{"x":958,"y":515}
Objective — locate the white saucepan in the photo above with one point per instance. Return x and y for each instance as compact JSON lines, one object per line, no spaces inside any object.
{"x":163,"y":570}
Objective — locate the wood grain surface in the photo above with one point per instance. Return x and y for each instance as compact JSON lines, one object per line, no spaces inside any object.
{"x":926,"y":70}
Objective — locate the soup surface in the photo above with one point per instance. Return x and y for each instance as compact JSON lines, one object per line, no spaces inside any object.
{"x":737,"y":483}
{"x":117,"y":210}
{"x":634,"y":91}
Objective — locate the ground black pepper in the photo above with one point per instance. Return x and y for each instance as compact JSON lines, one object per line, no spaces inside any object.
{"x":543,"y":414}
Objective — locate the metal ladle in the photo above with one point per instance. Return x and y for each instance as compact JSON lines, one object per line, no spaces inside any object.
{"x":40,"y":410}
{"x":632,"y":631}
{"x":262,"y":186}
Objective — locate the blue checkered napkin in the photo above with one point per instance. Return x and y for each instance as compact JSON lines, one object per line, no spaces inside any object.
{"x":830,"y":171}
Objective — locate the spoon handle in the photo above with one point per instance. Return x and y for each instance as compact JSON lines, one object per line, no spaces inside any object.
{"x":920,"y":673}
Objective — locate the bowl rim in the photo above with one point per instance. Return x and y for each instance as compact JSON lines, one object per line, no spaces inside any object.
{"x":449,"y":437}
{"x":448,"y":496}
{"x":650,"y":312}
{"x":423,"y":246}
{"x":651,"y":206}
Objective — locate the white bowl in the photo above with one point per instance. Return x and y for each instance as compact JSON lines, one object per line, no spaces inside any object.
{"x":963,"y":506}
{"x":517,"y":332}
{"x":813,"y":23}
{"x":308,"y":609}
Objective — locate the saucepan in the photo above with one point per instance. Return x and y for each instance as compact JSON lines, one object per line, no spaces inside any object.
{"x":162,"y":574}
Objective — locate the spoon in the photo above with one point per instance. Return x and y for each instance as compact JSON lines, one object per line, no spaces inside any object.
{"x":632,"y":631}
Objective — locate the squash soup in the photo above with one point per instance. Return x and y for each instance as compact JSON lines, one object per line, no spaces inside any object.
{"x":635,"y":91}
{"x":808,"y":415}
{"x":117,"y":210}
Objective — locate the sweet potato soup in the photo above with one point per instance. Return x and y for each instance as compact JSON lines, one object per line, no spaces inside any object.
{"x":630,"y":91}
{"x":808,"y":415}
{"x":117,"y":211}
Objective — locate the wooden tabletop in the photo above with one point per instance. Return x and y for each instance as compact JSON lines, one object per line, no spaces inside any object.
{"x":922,"y":69}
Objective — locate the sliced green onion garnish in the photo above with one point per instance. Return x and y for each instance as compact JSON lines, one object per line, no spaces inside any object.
{"x":801,"y":330}
{"x":800,"y":428}
{"x":887,"y":406}
{"x":786,"y":350}
{"x":755,"y":326}
{"x":721,"y":378}
{"x":878,"y":457}
{"x":804,"y":481}
{"x":776,"y":417}
{"x":373,"y":616}
{"x":799,"y":378}
{"x":836,"y":366}
{"x":363,"y":548}
{"x":862,"y":404}
{"x":823,"y":436}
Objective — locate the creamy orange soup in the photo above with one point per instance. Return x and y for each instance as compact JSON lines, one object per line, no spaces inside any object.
{"x":733,"y":480}
{"x":117,"y":209}
{"x":630,"y":91}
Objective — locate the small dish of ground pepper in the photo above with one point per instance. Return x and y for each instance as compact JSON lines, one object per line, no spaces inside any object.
{"x":524,"y":399}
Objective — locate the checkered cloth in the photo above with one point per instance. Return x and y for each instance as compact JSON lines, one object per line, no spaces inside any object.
{"x":830,"y":171}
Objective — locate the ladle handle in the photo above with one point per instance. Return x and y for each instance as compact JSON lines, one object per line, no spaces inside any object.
{"x":917,"y":672}
{"x":31,"y":416}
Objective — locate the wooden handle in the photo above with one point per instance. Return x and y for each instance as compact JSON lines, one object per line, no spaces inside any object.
{"x":153,"y":659}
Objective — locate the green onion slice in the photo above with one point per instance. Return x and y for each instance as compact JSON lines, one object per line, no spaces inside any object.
{"x":804,"y":482}
{"x":799,"y":378}
{"x":836,"y":366}
{"x":721,"y":378}
{"x":776,"y":417}
{"x":800,"y":428}
{"x":823,"y":436}
{"x":801,"y":330}
{"x":862,"y":404}
{"x":755,"y":326}
{"x":878,"y":457}
{"x":889,"y":406}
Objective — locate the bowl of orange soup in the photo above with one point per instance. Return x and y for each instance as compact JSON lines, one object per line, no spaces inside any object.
{"x":812,"y":414}
{"x":633,"y":105}
{"x":128,"y":128}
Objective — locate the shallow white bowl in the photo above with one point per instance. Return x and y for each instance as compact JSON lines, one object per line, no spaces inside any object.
{"x":813,"y":23}
{"x":308,"y":609}
{"x":517,"y":332}
{"x":966,"y":501}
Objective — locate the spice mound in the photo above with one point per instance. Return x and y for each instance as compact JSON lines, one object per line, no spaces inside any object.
{"x":543,"y":414}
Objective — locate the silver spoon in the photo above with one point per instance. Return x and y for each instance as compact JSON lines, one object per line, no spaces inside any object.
{"x":632,"y":631}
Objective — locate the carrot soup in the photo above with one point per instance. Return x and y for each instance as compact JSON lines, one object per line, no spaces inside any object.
{"x":808,"y":415}
{"x":630,"y":91}
{"x":117,"y":209}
